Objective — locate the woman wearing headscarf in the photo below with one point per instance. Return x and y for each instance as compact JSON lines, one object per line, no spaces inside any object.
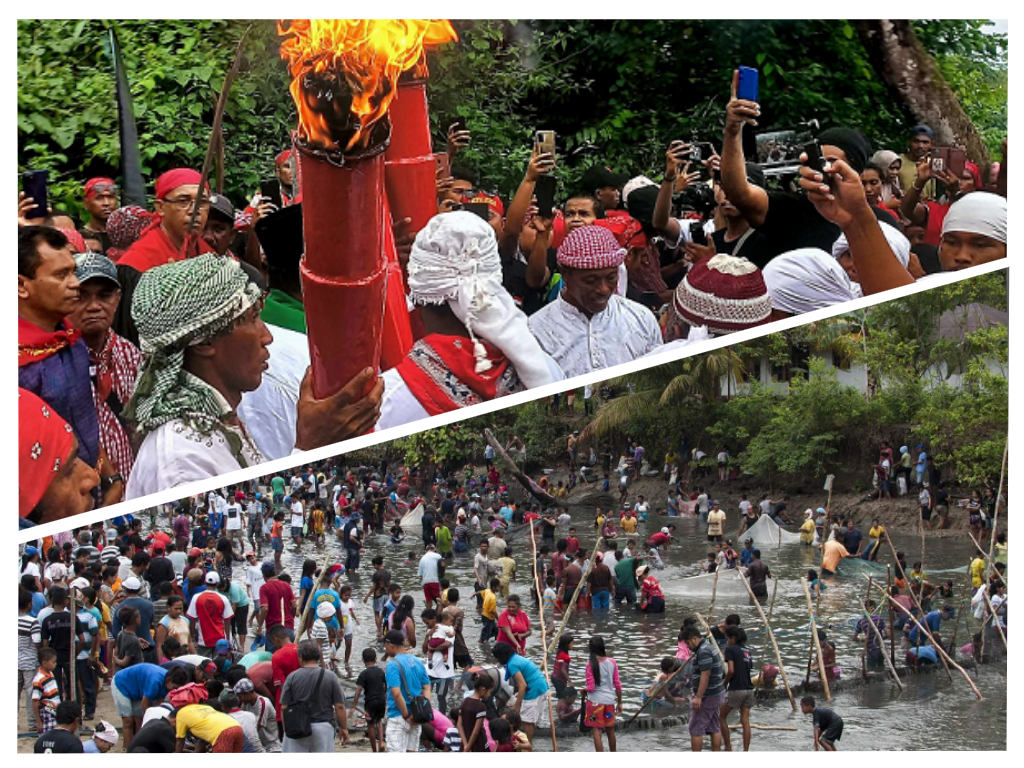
{"x":891,"y":163}
{"x":478,"y":345}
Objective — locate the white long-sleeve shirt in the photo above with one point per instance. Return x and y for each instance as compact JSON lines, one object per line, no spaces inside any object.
{"x":623,"y":331}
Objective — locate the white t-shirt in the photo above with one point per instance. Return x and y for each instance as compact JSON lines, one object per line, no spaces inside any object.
{"x":298,"y":518}
{"x":31,"y":569}
{"x":723,"y":456}
{"x":744,"y":507}
{"x":702,"y":503}
{"x":428,"y":568}
{"x":766,"y":506}
{"x":233,"y":514}
{"x":348,"y":611}
{"x":254,"y":578}
{"x":716,"y":521}
{"x":642,"y":508}
{"x":564,"y":520}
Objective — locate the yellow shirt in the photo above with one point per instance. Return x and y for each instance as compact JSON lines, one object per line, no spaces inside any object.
{"x":629,"y":524}
{"x":977,"y":571}
{"x":876,"y":533}
{"x":203,"y":722}
{"x":490,"y":606}
{"x":807,"y":532}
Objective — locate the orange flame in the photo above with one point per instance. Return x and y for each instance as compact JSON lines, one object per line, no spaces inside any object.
{"x":333,"y":61}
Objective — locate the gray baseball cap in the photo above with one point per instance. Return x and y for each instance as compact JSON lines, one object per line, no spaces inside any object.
{"x":90,"y":265}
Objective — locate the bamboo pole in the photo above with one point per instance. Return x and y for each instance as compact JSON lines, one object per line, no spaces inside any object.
{"x":864,"y":650}
{"x":817,"y":641}
{"x":714,"y":592}
{"x":913,"y":597}
{"x":938,"y":648}
{"x":543,"y":638}
{"x":572,"y":603}
{"x":771,"y":603}
{"x":995,"y":511}
{"x":771,"y":637}
{"x":309,"y":601}
{"x":763,"y":727}
{"x":73,"y":693}
{"x":881,"y":644}
{"x":707,"y":631}
{"x":892,"y":615}
{"x":810,"y":649}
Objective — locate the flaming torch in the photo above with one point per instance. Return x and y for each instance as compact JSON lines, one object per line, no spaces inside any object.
{"x":344,"y":77}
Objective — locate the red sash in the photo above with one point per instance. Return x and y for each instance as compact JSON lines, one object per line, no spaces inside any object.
{"x":441,"y":373}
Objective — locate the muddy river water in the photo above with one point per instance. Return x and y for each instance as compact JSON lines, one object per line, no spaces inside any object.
{"x":931,"y":713}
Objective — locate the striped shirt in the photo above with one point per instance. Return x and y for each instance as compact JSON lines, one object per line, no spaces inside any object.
{"x":44,"y":690}
{"x":29,"y":638}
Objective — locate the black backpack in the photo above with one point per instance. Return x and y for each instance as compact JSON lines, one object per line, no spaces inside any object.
{"x":298,"y":717}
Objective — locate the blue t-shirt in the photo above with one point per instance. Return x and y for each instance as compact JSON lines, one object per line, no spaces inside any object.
{"x":927,"y":653}
{"x":38,"y":603}
{"x":415,"y":678}
{"x":506,"y":512}
{"x":535,"y":683}
{"x":141,"y":680}
{"x":932,"y":620}
{"x":746,"y":556}
{"x":328,"y":595}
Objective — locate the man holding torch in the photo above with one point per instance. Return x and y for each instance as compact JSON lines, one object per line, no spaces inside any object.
{"x":205,"y":344}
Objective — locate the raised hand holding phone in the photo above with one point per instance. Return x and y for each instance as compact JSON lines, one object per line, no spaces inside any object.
{"x":458,"y":137}
{"x":739,"y":111}
{"x":541,"y":164}
{"x":677,"y":154}
{"x":836,"y":191}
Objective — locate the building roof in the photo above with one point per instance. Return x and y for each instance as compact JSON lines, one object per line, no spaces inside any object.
{"x":968,"y":318}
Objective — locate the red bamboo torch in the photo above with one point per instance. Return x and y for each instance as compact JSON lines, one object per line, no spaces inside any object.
{"x":344,"y":77}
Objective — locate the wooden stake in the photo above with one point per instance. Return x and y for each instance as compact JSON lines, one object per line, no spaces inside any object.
{"x":771,"y":637}
{"x":917,"y":602}
{"x":771,"y":603}
{"x":543,"y":636}
{"x":763,"y":727}
{"x":714,"y":593}
{"x":892,"y":615}
{"x":572,"y":603}
{"x":881,"y":644}
{"x":938,"y":648}
{"x":817,"y":642}
{"x":995,"y":513}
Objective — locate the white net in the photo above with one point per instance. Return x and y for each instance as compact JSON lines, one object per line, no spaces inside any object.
{"x":766,"y":532}
{"x":412,"y":520}
{"x":697,"y":589}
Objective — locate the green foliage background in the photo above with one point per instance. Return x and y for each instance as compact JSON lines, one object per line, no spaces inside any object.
{"x":615,"y":91}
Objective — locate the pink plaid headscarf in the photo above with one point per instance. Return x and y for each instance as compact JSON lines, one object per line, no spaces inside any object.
{"x":125,"y":226}
{"x":591,"y":248}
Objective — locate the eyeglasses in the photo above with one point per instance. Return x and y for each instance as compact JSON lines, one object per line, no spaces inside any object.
{"x":185,"y":203}
{"x":104,"y":189}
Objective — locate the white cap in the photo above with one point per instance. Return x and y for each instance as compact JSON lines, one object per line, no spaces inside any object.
{"x":132,"y":584}
{"x":666,"y":531}
{"x":325,"y":610}
{"x":80,"y":583}
{"x":212,"y":578}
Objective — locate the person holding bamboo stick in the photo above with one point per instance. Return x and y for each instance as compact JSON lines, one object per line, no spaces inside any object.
{"x":873,"y":647}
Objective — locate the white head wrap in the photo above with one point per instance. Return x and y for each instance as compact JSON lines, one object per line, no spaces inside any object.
{"x":807,"y":279}
{"x":980,"y":213}
{"x":455,"y":261}
{"x":897,"y":241}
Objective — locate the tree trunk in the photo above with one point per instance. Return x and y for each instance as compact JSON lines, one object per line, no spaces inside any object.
{"x":914,"y":78}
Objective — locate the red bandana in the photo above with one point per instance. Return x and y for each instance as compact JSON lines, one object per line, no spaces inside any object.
{"x":35,"y":344}
{"x":441,"y":373}
{"x":44,"y":441}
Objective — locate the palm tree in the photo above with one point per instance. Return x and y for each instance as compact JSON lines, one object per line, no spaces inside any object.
{"x":653,"y":390}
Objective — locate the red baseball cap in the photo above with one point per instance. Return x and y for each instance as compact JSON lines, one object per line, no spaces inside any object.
{"x":492,"y":201}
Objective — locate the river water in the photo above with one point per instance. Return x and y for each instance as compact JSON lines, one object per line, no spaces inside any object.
{"x":931,"y":713}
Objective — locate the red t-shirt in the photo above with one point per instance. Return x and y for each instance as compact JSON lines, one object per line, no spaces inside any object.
{"x":284,"y":662}
{"x":210,"y":608}
{"x":271,"y":595}
{"x":657,"y":539}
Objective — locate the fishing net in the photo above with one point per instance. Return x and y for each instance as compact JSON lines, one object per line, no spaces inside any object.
{"x":856,"y":568}
{"x":413,"y":519}
{"x":766,"y":532}
{"x":697,"y":589}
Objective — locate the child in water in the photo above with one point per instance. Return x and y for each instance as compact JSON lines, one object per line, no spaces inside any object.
{"x":567,"y":710}
{"x":828,"y":726}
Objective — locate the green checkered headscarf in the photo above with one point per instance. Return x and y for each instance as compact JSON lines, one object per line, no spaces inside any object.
{"x":175,"y":306}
